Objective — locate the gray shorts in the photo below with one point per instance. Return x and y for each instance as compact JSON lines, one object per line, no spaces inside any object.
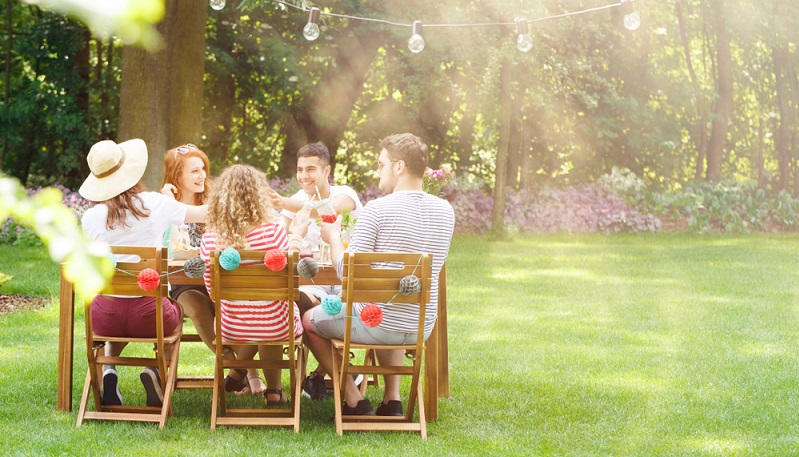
{"x":321,"y":291}
{"x":329,"y":326}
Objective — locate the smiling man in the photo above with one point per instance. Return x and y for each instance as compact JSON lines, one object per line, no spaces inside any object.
{"x":313,"y":173}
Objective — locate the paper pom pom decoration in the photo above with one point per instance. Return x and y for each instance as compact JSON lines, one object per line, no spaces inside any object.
{"x":194,"y":267}
{"x":410,"y":285}
{"x":329,"y":218}
{"x":371,"y":315}
{"x":148,"y":279}
{"x":331,"y":304}
{"x":275,"y":260}
{"x":113,"y":259}
{"x":307,"y":267}
{"x":230,"y":259}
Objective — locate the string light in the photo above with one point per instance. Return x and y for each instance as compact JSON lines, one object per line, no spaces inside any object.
{"x":632,"y":20}
{"x":217,"y":4}
{"x":311,"y":29}
{"x":416,"y":42}
{"x":524,"y":41}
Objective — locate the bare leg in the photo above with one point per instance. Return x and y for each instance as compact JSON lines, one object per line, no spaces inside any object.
{"x":306,"y":303}
{"x":391,"y":357}
{"x":272,"y":376}
{"x":200,"y":309}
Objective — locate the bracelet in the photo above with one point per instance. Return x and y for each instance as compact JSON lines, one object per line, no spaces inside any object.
{"x":295,"y":237}
{"x":294,"y":246}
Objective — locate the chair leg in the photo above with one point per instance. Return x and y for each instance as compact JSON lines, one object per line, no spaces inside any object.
{"x":420,"y":401}
{"x":171,"y":378}
{"x":84,"y":399}
{"x":337,"y":393}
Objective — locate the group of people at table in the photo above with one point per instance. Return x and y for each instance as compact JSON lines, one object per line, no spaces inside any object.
{"x":239,"y":209}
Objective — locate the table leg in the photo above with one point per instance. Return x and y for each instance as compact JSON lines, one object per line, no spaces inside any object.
{"x":66,"y":322}
{"x":441,"y":330}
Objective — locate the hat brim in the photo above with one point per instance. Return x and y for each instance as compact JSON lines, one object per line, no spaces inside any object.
{"x":128,"y":175}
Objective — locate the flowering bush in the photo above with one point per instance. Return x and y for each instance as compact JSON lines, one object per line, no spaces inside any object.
{"x":18,"y":234}
{"x":435,"y":180}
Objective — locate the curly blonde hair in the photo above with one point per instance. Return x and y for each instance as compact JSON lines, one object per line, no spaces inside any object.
{"x":240,"y":199}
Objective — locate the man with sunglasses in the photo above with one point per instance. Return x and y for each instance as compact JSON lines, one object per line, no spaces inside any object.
{"x":313,"y":173}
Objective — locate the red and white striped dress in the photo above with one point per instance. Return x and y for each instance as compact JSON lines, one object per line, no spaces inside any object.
{"x":253,"y":320}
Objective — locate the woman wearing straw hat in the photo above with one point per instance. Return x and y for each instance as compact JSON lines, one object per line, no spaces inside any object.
{"x":122,"y":213}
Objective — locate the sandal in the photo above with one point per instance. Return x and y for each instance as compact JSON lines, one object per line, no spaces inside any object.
{"x":256,"y":386}
{"x":283,"y":401}
{"x":235,"y":385}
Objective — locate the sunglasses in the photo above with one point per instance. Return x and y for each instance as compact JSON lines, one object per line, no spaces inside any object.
{"x":185,"y":149}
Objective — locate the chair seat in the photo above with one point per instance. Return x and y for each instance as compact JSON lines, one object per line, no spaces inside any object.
{"x":171,"y":338}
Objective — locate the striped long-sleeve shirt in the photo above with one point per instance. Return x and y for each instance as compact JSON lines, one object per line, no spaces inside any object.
{"x":253,"y":320}
{"x":406,"y":221}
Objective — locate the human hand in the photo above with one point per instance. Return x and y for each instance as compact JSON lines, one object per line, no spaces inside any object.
{"x":169,"y":190}
{"x":276,"y":199}
{"x":331,"y":231}
{"x":300,"y":228}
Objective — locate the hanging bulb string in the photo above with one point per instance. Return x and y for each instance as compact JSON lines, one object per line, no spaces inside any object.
{"x":481,"y":24}
{"x":162,"y":274}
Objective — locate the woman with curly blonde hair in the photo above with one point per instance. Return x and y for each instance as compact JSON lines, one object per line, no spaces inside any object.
{"x":240,"y":216}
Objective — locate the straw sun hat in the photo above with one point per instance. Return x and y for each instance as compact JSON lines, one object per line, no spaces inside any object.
{"x":115,"y":168}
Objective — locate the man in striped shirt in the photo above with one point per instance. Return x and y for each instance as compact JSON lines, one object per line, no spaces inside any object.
{"x":405,"y":220}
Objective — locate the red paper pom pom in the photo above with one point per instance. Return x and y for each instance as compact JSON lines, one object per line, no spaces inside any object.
{"x":371,"y":315}
{"x":148,"y":279}
{"x":329,"y":218}
{"x":275,"y":260}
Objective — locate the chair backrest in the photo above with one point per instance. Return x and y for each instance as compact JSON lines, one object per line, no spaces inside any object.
{"x":374,"y":277}
{"x":252,"y":280}
{"x":131,"y":260}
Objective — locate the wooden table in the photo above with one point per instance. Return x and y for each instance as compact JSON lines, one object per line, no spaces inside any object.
{"x":436,"y":361}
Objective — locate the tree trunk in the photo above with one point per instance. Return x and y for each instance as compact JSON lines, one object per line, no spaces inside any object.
{"x":724,"y":104}
{"x":781,"y":138}
{"x":7,"y":80}
{"x":161,"y":95}
{"x":701,"y":122}
{"x":501,"y":167}
{"x":526,"y":150}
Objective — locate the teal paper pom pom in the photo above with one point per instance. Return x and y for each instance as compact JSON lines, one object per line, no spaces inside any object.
{"x":230,"y":259}
{"x":410,"y":285}
{"x":113,"y":259}
{"x":307,"y":267}
{"x":194,"y":267}
{"x":331,"y":304}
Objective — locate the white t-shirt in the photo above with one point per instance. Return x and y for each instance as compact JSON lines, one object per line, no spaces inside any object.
{"x":147,"y":231}
{"x":313,"y":234}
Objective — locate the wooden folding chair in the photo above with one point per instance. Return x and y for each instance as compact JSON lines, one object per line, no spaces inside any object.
{"x":253,"y":281}
{"x":368,"y":279}
{"x":124,"y":282}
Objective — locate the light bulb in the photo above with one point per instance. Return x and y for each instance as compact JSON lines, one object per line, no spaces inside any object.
{"x":632,"y":21}
{"x":311,"y":29}
{"x":524,"y":43}
{"x":416,"y":42}
{"x":217,"y":4}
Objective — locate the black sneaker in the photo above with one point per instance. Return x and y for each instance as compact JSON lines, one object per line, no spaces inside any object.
{"x":111,"y":395}
{"x":363,"y":408}
{"x":392,"y":408}
{"x":151,"y":381}
{"x":314,"y":388}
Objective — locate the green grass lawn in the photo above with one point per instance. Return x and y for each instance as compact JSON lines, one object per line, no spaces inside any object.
{"x":645,"y":345}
